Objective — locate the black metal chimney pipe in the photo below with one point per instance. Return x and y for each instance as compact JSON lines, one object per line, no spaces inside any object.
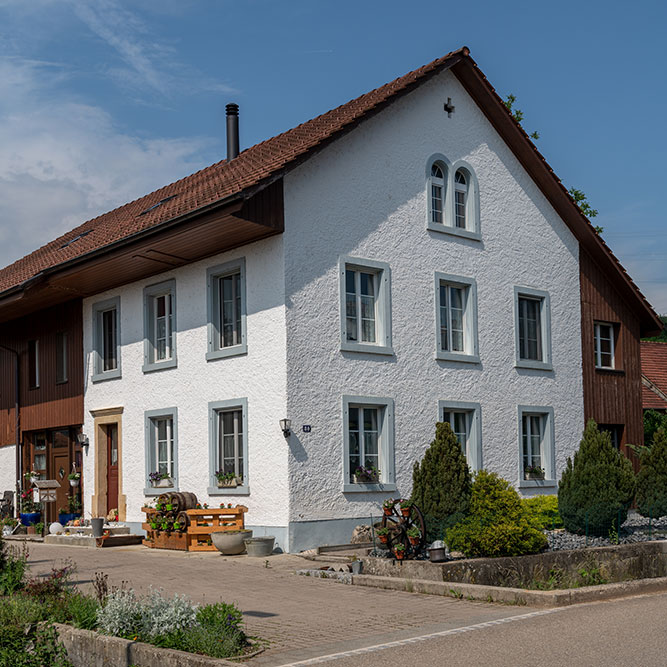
{"x":232,"y":131}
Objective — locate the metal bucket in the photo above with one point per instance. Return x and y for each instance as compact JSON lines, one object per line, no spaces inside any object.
{"x":98,"y":526}
{"x":260,"y":546}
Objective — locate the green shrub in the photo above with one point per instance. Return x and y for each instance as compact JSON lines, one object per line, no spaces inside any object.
{"x":441,"y":484}
{"x":653,"y":420}
{"x":543,"y":511}
{"x":12,"y":572}
{"x":597,"y":488}
{"x":498,"y":524}
{"x":651,"y":495}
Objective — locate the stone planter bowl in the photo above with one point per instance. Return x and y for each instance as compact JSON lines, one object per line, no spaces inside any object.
{"x":260,"y":546}
{"x":230,"y":542}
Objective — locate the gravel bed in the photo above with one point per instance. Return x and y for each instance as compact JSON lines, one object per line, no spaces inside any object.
{"x":635,"y":529}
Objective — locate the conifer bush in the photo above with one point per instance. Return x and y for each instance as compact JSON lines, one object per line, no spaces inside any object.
{"x":499,"y":523}
{"x":597,"y":487}
{"x":441,"y":483}
{"x":652,"y":478}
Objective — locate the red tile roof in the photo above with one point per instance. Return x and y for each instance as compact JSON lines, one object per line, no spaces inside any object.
{"x":258,"y":166}
{"x":654,"y":368}
{"x":219,"y":181}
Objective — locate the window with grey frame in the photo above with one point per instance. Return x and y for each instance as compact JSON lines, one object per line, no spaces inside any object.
{"x":530,"y":328}
{"x":460,"y":421}
{"x":437,"y":193}
{"x":361,"y":294}
{"x":231,"y":442}
{"x":364,"y":437}
{"x":460,"y":199}
{"x":453,"y":302}
{"x":162,"y":331}
{"x":163,"y":444}
{"x":533,"y":428}
{"x":230,"y":309}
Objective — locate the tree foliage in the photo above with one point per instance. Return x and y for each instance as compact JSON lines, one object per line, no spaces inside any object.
{"x":499,"y":523}
{"x":598,"y":485}
{"x":653,"y":420}
{"x":441,"y":483}
{"x":662,"y":336}
{"x":651,"y":495}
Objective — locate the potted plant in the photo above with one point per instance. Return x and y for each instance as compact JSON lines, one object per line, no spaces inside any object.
{"x":74,"y":478}
{"x":31,"y":477}
{"x":383,"y":534}
{"x":366,"y":475}
{"x":388,"y":506}
{"x":161,"y":480}
{"x":406,"y":506}
{"x":533,"y":472}
{"x":399,"y":551}
{"x":228,"y":479}
{"x":31,"y":511}
{"x":8,"y":525}
{"x":71,"y":512}
{"x":414,"y":535}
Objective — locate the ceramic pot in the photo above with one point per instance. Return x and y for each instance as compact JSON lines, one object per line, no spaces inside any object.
{"x":230,"y":542}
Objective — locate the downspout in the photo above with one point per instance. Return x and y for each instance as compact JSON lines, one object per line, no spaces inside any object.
{"x":17,"y":395}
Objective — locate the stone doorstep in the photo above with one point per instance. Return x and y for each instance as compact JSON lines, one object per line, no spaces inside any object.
{"x":519,"y":596}
{"x":86,"y":648}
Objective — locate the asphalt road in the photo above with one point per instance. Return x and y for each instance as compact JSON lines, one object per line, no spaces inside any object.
{"x":625,"y":632}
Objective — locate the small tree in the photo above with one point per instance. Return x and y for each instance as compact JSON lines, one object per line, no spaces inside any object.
{"x":441,"y":483}
{"x":653,"y":420}
{"x":652,"y":478}
{"x":597,"y":487}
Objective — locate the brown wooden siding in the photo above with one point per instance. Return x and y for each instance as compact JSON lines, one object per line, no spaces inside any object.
{"x":52,"y":404}
{"x":614,"y":396}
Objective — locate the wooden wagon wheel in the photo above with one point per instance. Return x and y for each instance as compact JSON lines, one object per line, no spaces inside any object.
{"x":399,"y":522}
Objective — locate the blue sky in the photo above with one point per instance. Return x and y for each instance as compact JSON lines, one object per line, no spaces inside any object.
{"x":103,"y":101}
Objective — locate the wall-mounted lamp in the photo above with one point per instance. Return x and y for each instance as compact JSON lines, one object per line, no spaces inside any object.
{"x":83,"y":440}
{"x":286,"y":426}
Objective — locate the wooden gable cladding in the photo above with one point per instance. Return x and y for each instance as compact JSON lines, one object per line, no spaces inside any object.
{"x":52,"y":404}
{"x":611,"y":396}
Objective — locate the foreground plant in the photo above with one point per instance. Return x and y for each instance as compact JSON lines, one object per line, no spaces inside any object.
{"x":652,"y":478}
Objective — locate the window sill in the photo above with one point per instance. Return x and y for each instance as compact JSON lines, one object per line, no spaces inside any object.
{"x":609,"y":371}
{"x":367,"y":349}
{"x":223,"y":353}
{"x":537,"y":483}
{"x":368,"y":488}
{"x":155,"y":491}
{"x":243,"y":490}
{"x":159,"y":366}
{"x":454,"y":231}
{"x":109,"y":375}
{"x":533,"y":365}
{"x":453,"y":356}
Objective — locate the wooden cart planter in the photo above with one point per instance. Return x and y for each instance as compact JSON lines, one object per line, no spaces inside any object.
{"x":195,"y":527}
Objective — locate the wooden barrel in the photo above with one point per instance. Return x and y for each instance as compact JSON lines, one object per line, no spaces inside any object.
{"x":182,"y":500}
{"x":183,"y":520}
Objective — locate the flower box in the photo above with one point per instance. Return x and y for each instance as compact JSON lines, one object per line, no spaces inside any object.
{"x":534,"y":475}
{"x":229,"y":483}
{"x":366,"y":479}
{"x":165,"y":483}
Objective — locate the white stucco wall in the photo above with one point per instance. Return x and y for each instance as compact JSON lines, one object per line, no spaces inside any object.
{"x":7,"y":468}
{"x":258,"y":376}
{"x":365,"y":196}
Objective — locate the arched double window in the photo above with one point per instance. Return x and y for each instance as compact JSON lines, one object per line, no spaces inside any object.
{"x":453,"y":198}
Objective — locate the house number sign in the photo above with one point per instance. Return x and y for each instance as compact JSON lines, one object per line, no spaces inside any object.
{"x":306,"y":428}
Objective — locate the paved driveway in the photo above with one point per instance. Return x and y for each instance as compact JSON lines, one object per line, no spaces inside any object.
{"x":301,"y":617}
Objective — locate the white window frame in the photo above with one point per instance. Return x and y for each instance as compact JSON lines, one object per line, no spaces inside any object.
{"x":382,"y":273}
{"x":547,"y":450}
{"x":385,"y":445}
{"x":597,"y":349}
{"x":470,"y":353}
{"x":150,"y":446}
{"x":150,"y":294}
{"x":545,"y":364}
{"x":472,"y":229}
{"x":98,"y":310}
{"x":213,"y":276}
{"x":473,"y":413}
{"x":214,"y":410}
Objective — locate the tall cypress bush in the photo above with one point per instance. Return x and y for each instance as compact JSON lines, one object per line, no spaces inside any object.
{"x":652,"y":478}
{"x":597,"y":486}
{"x":441,"y":483}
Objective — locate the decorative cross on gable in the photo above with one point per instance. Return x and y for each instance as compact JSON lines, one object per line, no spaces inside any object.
{"x":449,"y":107}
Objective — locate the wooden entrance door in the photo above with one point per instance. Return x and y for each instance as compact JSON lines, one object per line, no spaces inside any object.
{"x":112,"y":466}
{"x":61,"y":463}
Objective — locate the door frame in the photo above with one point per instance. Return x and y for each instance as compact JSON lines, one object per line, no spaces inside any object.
{"x":99,"y":499}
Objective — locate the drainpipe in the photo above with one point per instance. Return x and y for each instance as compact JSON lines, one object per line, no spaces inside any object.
{"x":17,"y":395}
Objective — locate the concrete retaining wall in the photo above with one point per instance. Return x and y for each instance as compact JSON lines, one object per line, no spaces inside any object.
{"x":91,"y":649}
{"x":615,"y":564}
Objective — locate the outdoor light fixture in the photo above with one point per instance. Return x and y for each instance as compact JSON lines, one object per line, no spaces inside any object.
{"x":286,"y":426}
{"x":83,"y":440}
